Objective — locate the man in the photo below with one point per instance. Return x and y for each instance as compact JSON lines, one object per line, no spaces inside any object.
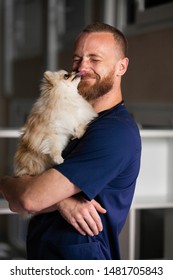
{"x":82,"y":204}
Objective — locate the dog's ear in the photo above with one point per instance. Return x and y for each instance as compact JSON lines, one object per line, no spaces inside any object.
{"x":50,"y":78}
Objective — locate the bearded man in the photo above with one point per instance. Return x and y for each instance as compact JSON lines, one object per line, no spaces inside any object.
{"x":81,"y":205}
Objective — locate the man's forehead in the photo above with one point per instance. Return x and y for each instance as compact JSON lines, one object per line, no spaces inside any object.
{"x":92,"y":36}
{"x":96,"y":41}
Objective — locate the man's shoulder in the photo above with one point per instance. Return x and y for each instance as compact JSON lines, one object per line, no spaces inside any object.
{"x":118,"y":119}
{"x":116,"y":128}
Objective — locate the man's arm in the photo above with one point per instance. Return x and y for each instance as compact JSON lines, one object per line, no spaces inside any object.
{"x":52,"y":191}
{"x":35,"y":193}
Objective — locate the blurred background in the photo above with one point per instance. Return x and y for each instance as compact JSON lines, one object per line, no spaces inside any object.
{"x":38,"y":35}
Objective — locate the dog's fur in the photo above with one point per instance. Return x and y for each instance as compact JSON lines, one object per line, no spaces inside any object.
{"x":59,"y":114}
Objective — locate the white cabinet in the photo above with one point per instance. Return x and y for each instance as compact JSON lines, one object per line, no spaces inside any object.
{"x":13,"y":230}
{"x":12,"y":226}
{"x":149,"y":228}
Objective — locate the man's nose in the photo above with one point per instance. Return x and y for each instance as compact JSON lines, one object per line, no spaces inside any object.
{"x":84,"y":65}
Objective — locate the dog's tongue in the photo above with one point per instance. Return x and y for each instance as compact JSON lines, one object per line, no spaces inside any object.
{"x":81,"y":73}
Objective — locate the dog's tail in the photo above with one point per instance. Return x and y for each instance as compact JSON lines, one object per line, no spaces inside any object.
{"x":28,"y":163}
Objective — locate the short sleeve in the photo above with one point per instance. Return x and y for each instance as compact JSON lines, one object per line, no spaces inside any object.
{"x":101,"y":155}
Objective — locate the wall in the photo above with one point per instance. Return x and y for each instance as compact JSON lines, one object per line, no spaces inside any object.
{"x":2,"y":99}
{"x":148,"y":84}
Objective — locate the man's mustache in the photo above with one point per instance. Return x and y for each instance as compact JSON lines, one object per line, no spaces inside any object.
{"x":92,"y":76}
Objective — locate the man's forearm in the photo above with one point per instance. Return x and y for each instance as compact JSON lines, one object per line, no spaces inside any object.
{"x":33,"y":194}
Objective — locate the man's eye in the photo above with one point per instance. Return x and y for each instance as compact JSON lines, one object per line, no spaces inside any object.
{"x":76,"y":60}
{"x":95,"y":60}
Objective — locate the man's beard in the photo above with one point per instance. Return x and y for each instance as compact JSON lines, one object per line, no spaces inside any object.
{"x":100,"y":87}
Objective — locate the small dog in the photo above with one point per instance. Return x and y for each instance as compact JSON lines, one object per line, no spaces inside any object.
{"x":59,"y":114}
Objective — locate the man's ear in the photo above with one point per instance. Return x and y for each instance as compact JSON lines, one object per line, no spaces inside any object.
{"x":122,"y":66}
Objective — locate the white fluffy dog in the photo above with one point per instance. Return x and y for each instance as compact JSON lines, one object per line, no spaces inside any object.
{"x":59,"y":114}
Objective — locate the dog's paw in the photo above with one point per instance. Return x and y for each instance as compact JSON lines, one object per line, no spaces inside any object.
{"x":79,"y":132}
{"x":58,"y":159}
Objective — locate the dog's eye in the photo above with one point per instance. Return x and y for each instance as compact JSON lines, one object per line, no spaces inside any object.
{"x":66,"y":76}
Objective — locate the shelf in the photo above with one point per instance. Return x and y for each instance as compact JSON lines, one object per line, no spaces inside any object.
{"x":9,"y":133}
{"x":145,"y":133}
{"x":152,"y":202}
{"x":156,"y":133}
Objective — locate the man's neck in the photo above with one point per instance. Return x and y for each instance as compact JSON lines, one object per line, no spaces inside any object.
{"x":106,"y":102}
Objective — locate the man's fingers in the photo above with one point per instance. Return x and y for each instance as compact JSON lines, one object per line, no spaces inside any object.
{"x":94,"y":213}
{"x":92,"y":225}
{"x":92,"y":217}
{"x":78,"y":228}
{"x":88,"y":221}
{"x":97,"y":222}
{"x":83,"y":227}
{"x":98,"y":207}
{"x":93,"y":221}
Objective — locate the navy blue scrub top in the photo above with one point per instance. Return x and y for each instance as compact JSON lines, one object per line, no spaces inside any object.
{"x":104,"y":164}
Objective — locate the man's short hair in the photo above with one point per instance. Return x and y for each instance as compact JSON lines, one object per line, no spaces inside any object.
{"x":103,"y":27}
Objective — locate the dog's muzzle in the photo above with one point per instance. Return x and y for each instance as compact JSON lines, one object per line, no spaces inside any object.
{"x":73,"y":75}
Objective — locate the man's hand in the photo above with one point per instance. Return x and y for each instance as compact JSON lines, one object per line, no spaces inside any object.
{"x":82,"y":214}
